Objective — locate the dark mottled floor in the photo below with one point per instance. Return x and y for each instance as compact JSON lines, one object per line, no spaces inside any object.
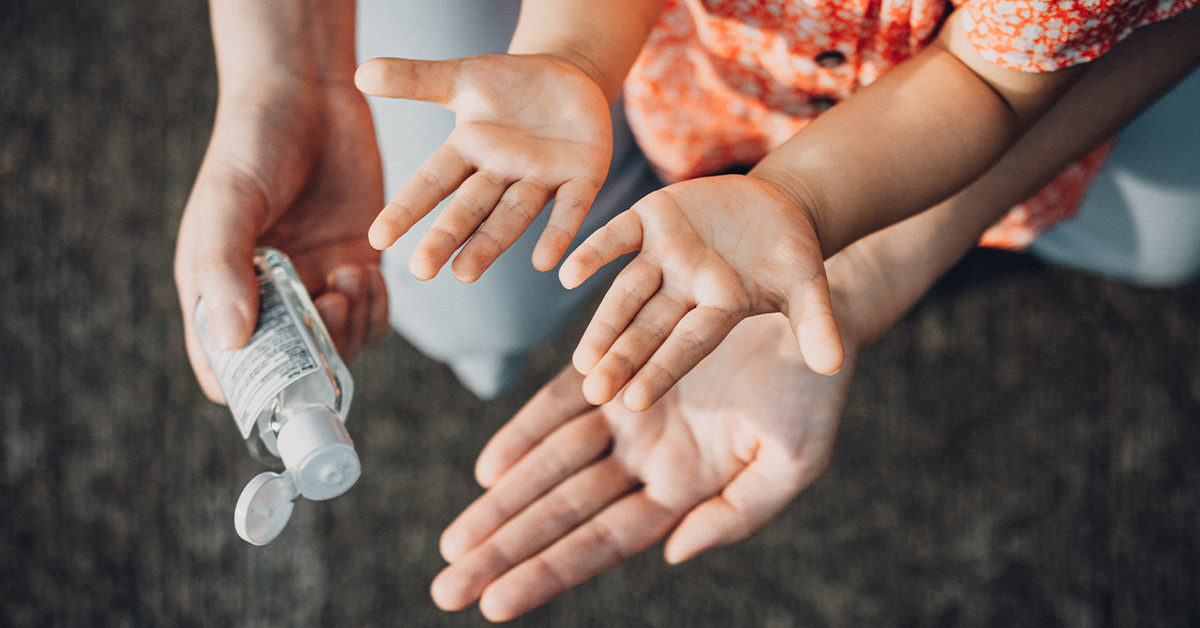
{"x":1021,"y":450}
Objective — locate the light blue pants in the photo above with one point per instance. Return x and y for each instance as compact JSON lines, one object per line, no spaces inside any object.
{"x":1140,"y":219}
{"x":1140,"y":222}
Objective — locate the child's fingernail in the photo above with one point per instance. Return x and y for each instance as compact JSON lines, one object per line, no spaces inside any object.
{"x":378,"y":235}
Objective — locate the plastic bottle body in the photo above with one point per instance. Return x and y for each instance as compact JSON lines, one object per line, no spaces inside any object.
{"x":290,"y":361}
{"x":289,"y":393}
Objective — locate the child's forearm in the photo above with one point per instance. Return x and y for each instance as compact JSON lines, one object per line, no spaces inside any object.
{"x":917,"y":135}
{"x":879,"y":278}
{"x":305,"y":40}
{"x":602,"y":38}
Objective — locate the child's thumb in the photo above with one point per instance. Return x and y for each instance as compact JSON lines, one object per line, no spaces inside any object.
{"x":810,"y":314}
{"x":414,"y":79}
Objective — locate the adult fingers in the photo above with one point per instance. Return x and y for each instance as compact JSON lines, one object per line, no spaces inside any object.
{"x":215,"y":263}
{"x":334,"y":309}
{"x":630,"y":352}
{"x":633,"y":287}
{"x":560,"y":455}
{"x":350,"y":281}
{"x":625,"y":528}
{"x":353,"y":276}
{"x":559,"y":401}
{"x":749,"y":501}
{"x":414,"y":79}
{"x":811,"y":316}
{"x":441,"y":174}
{"x":548,"y":519}
{"x":622,"y":234}
{"x":377,"y":318}
{"x":696,"y":335}
{"x":519,"y":206}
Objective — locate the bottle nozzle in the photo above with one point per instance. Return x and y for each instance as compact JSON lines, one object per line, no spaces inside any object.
{"x":321,"y":464}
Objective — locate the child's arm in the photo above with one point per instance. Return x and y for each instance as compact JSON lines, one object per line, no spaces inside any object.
{"x":892,"y":269}
{"x":715,"y":250}
{"x":909,"y":140}
{"x":519,"y":544}
{"x":531,"y":126}
{"x":601,"y":38}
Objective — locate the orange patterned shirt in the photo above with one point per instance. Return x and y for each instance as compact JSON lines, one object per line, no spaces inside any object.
{"x":722,"y":82}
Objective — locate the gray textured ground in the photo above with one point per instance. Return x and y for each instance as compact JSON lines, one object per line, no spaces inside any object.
{"x":1021,"y":450}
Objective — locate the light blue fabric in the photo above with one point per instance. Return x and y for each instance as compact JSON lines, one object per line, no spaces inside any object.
{"x":1140,"y":219}
{"x":483,"y":330}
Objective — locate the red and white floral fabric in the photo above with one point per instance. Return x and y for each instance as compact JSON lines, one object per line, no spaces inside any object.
{"x":722,"y":82}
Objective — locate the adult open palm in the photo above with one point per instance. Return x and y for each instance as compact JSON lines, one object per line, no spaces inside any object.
{"x":575,"y":489}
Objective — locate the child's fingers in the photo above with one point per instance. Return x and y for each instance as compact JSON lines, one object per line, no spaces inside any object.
{"x":696,"y":335}
{"x":519,"y":206}
{"x":811,"y":316}
{"x":414,"y":79}
{"x":621,"y":235}
{"x":441,"y":174}
{"x":571,"y":205}
{"x":455,"y":224}
{"x":649,"y":329}
{"x":632,"y":288}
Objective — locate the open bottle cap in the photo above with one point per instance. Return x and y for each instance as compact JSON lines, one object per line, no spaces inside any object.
{"x":320,"y":464}
{"x":264,"y":507}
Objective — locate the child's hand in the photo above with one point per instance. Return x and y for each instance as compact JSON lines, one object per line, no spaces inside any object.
{"x":573,"y":490}
{"x":529,"y":128}
{"x":713,"y":251}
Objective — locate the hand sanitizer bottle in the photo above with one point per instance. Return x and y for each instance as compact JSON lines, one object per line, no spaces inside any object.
{"x":289,"y":393}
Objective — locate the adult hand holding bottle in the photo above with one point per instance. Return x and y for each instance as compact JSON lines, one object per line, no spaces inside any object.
{"x":293,"y":164}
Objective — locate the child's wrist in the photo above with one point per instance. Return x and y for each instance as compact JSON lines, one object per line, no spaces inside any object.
{"x":796,"y":194}
{"x":586,"y":66}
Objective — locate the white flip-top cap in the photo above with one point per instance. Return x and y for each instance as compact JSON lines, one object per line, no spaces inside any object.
{"x":264,"y":507}
{"x":321,"y":464}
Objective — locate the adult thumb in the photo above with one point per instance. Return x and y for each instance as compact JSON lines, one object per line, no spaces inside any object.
{"x":215,"y":262}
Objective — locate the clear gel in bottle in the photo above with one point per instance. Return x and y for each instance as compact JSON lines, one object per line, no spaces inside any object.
{"x":289,"y":393}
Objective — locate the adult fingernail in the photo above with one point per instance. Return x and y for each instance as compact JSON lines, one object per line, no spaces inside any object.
{"x":348,"y":281}
{"x":451,"y":545}
{"x":226,"y":324}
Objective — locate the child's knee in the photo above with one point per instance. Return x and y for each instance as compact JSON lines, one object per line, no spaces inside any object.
{"x":1173,"y":262}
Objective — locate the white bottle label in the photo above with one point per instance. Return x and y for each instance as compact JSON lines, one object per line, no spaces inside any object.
{"x":278,"y":354}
